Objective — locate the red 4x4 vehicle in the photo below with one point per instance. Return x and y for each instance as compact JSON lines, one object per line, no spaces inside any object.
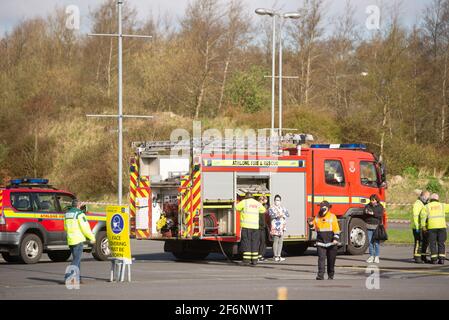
{"x":32,"y":223}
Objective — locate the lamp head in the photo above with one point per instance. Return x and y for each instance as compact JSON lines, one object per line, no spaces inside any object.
{"x":292,"y":15}
{"x":265,"y":12}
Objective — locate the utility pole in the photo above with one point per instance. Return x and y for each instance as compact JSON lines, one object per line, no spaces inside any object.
{"x":282,"y":16}
{"x":120,"y":115}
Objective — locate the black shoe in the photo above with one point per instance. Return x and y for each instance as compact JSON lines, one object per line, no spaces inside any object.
{"x":245,"y":263}
{"x":434,"y":262}
{"x":330,"y":277}
{"x":441,"y":261}
{"x":320,"y":278}
{"x":254,"y":263}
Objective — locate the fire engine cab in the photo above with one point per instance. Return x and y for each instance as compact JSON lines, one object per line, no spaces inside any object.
{"x":32,"y":222}
{"x":189,"y":201}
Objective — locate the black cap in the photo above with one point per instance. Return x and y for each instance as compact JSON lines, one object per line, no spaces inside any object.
{"x":325,"y":204}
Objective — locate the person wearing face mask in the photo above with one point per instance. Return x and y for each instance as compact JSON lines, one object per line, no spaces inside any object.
{"x":278,"y":215}
{"x":420,"y":248}
{"x":328,"y":236}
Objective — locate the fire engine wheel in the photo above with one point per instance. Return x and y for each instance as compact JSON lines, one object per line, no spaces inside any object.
{"x":31,"y":248}
{"x":358,"y":237}
{"x":10,"y":258}
{"x":190,"y":255}
{"x":59,"y":256}
{"x":101,"y":250}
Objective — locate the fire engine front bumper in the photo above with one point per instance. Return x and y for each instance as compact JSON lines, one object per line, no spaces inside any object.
{"x":9,"y":239}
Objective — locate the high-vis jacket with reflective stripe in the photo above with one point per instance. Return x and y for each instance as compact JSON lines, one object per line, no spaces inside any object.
{"x":327,"y":228}
{"x":249,"y":213}
{"x":432,"y":215}
{"x":77,"y":227}
{"x":415,"y":222}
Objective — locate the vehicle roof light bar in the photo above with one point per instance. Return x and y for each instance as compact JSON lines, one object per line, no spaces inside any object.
{"x":346,"y":146}
{"x":28,"y":181}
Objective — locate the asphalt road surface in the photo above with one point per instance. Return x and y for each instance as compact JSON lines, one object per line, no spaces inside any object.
{"x":157,"y":275}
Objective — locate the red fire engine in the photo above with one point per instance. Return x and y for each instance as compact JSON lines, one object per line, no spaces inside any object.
{"x":32,"y":223}
{"x":189,"y":202}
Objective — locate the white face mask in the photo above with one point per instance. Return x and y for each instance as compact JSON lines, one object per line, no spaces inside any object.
{"x":277,"y":202}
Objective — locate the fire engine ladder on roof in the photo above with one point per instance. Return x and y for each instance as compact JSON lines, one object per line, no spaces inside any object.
{"x":270,"y":145}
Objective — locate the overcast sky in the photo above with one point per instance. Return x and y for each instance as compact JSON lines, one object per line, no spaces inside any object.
{"x":13,"y":11}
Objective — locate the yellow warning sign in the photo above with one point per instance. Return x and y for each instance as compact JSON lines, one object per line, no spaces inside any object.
{"x":117,"y":226}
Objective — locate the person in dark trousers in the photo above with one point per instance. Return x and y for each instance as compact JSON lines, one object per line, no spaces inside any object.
{"x":433,"y":221}
{"x":250,"y":210}
{"x":373,"y":216}
{"x":420,"y":247}
{"x":328,"y":236}
{"x":263,"y":230}
{"x":78,"y":230}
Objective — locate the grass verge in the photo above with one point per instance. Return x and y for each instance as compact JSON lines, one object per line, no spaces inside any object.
{"x":401,"y":236}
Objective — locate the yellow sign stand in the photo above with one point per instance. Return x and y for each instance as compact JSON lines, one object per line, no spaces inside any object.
{"x":117,"y":226}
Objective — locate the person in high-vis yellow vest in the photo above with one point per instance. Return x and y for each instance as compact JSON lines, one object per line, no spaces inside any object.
{"x":78,"y":231}
{"x":433,"y":221}
{"x":250,"y":209}
{"x":328,"y":237}
{"x":421,"y":244}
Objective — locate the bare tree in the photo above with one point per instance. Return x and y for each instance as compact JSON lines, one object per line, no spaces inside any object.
{"x":436,"y":28}
{"x":305,"y":33}
{"x":203,"y":30}
{"x":237,"y":29}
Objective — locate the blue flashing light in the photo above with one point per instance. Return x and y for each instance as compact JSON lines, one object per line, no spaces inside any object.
{"x":348,"y":146}
{"x":29,"y":181}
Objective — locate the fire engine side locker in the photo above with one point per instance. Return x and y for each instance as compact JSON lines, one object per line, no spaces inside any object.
{"x":218,"y":191}
{"x":291,"y":186}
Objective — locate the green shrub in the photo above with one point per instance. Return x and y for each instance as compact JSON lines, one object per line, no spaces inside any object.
{"x":411,"y":172}
{"x":247,"y":90}
{"x":434,"y":186}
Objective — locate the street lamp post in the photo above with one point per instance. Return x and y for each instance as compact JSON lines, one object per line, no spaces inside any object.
{"x":273,"y":15}
{"x":288,"y":15}
{"x":120,"y":114}
{"x":282,"y":16}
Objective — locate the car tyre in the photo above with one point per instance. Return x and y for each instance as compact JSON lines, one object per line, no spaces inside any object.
{"x":31,"y":248}
{"x":357,"y":237}
{"x":101,"y":250}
